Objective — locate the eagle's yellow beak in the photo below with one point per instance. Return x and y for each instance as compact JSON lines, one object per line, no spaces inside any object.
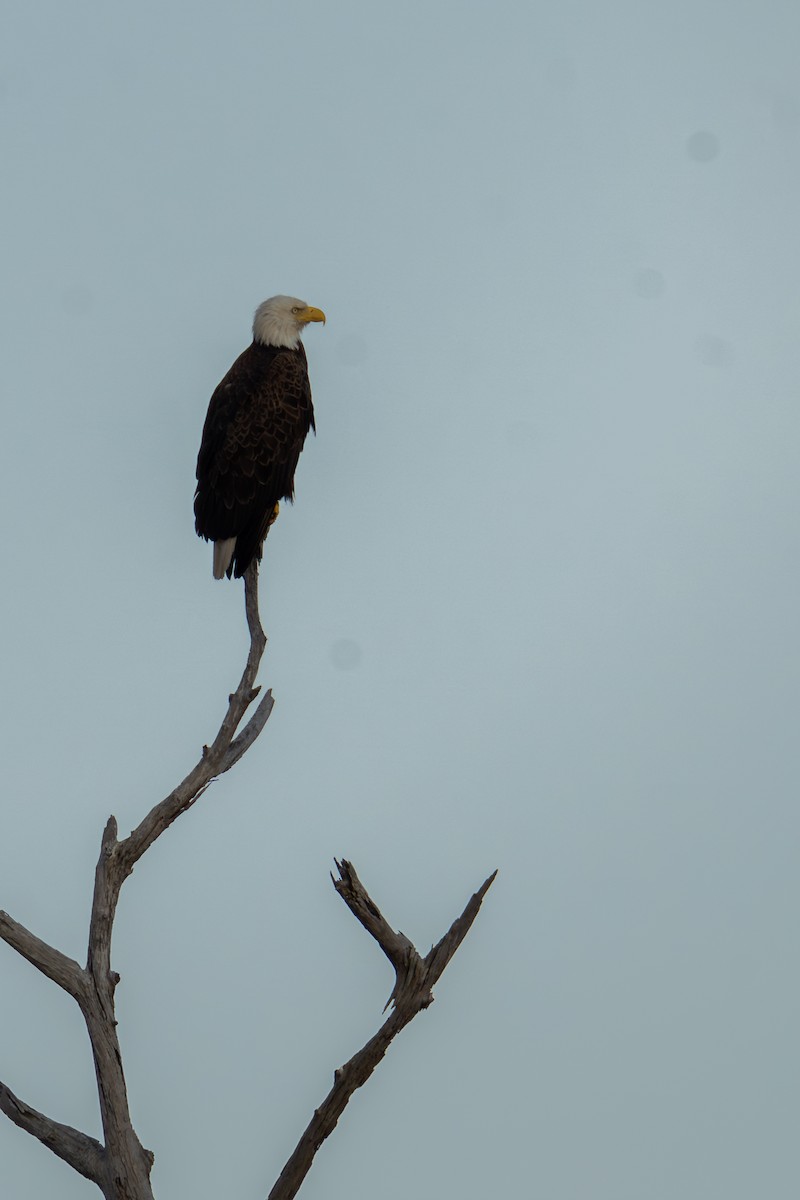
{"x":311,"y":314}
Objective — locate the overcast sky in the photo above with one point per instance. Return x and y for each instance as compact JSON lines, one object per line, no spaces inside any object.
{"x":535,"y":607}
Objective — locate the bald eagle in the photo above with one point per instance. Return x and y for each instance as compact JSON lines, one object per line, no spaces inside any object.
{"x":254,"y":431}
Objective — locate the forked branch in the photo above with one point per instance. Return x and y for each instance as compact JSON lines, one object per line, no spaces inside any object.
{"x":121,"y":1167}
{"x":412,"y":992}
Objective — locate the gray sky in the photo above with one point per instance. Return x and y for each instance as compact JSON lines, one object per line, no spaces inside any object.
{"x":535,"y":607}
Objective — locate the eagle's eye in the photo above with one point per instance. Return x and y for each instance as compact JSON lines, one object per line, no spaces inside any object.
{"x":296,"y":310}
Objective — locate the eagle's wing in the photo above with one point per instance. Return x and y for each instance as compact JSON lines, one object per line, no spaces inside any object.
{"x":254,"y":432}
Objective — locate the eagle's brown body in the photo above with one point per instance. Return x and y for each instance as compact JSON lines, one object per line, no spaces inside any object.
{"x":256,"y":425}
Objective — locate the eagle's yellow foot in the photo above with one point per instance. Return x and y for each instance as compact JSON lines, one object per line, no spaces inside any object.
{"x":274,"y":516}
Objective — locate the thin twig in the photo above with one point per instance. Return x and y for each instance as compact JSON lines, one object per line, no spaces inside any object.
{"x":439,"y":955}
{"x":252,"y":729}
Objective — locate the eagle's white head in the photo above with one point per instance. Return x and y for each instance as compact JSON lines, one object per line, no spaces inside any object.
{"x":281,"y":321}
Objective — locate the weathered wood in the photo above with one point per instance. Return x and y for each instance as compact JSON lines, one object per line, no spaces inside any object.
{"x":414,"y":979}
{"x":84,"y":1154}
{"x":51,"y":962}
{"x":121,"y":1167}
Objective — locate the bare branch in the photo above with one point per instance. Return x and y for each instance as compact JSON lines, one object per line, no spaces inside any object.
{"x":223,"y":752}
{"x":439,"y":955}
{"x":106,"y":889}
{"x":415,"y":977}
{"x":126,"y":1165}
{"x":51,"y":962}
{"x":83,"y":1153}
{"x":131,"y":1162}
{"x":250,"y":732}
{"x":121,"y":1168}
{"x":395,"y":946}
{"x":115,"y":863}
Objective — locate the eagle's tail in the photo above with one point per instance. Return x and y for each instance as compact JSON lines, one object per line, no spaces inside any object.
{"x":223,"y":554}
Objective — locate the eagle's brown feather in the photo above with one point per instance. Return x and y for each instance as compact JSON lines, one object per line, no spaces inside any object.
{"x":254,"y":431}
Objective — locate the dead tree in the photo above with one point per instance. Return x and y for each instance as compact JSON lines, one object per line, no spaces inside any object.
{"x":120,"y":1165}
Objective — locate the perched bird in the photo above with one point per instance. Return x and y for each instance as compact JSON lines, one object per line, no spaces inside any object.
{"x":254,"y":431}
